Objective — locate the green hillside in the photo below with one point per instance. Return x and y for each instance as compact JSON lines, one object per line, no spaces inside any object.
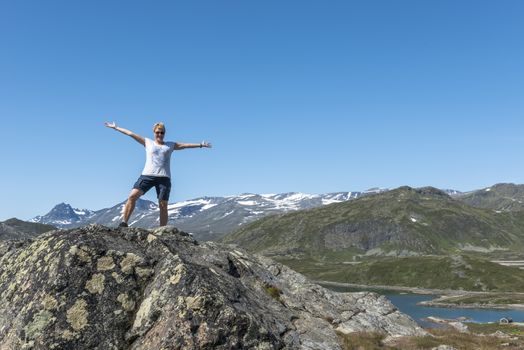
{"x":433,"y":272}
{"x":18,"y":229}
{"x":401,"y":222}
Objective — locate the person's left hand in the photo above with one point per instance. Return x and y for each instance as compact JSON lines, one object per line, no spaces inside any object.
{"x":111,"y":125}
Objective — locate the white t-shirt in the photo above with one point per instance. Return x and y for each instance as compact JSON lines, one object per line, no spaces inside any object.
{"x":158,"y":158}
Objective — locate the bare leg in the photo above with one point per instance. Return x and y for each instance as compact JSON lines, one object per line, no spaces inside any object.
{"x":163,"y":212}
{"x":130,"y":204}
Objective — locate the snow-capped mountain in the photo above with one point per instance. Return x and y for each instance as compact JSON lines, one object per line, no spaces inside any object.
{"x":63,"y":215}
{"x":207,"y":218}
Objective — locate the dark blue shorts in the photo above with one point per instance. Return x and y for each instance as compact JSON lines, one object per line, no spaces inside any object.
{"x":162,"y":185}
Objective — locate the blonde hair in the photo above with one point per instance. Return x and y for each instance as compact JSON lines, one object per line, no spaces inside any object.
{"x":159,"y":126}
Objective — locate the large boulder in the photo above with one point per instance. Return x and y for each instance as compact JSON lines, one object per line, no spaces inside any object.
{"x":101,"y":288}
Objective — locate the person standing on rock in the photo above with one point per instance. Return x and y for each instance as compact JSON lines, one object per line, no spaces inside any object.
{"x":157,"y":170}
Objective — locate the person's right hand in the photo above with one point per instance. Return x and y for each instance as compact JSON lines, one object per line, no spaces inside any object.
{"x":111,"y":125}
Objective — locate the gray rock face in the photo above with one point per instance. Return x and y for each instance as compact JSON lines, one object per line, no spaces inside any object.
{"x":102,"y":288}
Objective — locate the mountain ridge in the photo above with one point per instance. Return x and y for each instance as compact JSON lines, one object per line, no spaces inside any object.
{"x":401,"y":222}
{"x":210,"y":218}
{"x":205,"y":217}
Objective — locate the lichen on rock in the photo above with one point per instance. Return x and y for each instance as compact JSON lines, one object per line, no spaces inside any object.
{"x":118,"y":278}
{"x":82,"y":254}
{"x":49,"y":302}
{"x":96,"y":284}
{"x":105,"y":263}
{"x":77,"y":315}
{"x":39,"y":323}
{"x":129,"y":262}
{"x":127,"y":303}
{"x":144,"y":311}
{"x":179,"y":271}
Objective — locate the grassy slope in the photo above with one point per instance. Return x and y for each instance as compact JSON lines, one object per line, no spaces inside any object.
{"x":483,"y":299}
{"x":452,"y":338}
{"x":432,"y":272}
{"x":29,"y":226}
{"x":18,"y":229}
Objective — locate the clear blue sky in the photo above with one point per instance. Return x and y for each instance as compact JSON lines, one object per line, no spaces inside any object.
{"x":310,"y":96}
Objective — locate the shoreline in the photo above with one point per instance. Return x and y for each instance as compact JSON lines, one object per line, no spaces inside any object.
{"x":414,"y":290}
{"x":438,"y":293}
{"x":432,"y":303}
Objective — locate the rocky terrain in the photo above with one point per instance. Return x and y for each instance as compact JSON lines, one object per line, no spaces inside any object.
{"x":100,"y":288}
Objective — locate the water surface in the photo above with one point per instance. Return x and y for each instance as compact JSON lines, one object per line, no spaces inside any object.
{"x":407,"y":303}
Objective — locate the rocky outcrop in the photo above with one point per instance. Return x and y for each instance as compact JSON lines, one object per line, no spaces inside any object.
{"x":102,"y":288}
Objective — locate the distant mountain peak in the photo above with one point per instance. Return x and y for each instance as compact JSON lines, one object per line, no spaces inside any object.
{"x":63,"y":214}
{"x":62,"y":205}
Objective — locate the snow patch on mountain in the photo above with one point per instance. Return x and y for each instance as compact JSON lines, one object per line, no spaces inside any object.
{"x":247,"y":202}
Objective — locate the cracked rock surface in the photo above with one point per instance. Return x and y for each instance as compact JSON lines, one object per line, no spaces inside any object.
{"x":102,"y":288}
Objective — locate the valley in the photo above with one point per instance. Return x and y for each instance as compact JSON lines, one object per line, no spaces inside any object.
{"x":416,"y":240}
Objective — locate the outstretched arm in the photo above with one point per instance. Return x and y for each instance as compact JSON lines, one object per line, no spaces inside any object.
{"x":137,"y":138}
{"x":180,"y":146}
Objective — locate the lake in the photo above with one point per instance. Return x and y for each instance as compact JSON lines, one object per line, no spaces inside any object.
{"x":407,"y":303}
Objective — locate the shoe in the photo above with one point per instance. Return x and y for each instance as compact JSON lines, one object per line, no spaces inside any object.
{"x":122,"y":224}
